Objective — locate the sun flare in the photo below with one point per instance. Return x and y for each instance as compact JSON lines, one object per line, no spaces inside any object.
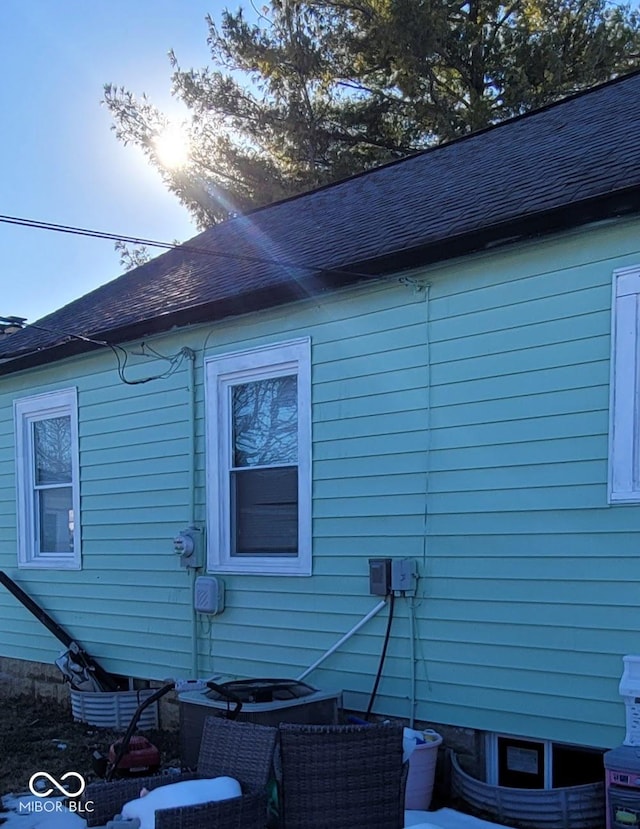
{"x":172,"y":147}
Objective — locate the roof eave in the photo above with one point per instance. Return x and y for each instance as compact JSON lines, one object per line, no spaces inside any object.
{"x":211,"y":312}
{"x":618,"y":203}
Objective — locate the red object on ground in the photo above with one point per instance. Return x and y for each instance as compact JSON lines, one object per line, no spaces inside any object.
{"x":140,"y":757}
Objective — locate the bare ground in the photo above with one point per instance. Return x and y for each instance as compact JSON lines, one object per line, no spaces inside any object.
{"x":40,"y":735}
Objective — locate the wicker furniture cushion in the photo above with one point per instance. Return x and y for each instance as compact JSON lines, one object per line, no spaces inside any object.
{"x":228,"y":749}
{"x":181,"y":794}
{"x":246,"y":812}
{"x":102,"y":801}
{"x":335,"y":777}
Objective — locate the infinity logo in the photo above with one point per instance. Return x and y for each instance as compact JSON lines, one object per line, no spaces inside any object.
{"x":57,"y":785}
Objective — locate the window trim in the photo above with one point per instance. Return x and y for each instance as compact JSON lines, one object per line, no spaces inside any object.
{"x":492,"y":754}
{"x":624,"y":388}
{"x":63,"y":403}
{"x":549,"y":759}
{"x":222,"y":371}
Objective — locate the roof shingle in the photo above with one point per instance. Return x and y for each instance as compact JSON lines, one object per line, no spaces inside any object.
{"x":581,"y":151}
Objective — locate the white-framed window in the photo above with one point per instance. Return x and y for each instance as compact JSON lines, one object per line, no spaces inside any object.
{"x":258,"y":426}
{"x":624,"y":422}
{"x":48,"y":480}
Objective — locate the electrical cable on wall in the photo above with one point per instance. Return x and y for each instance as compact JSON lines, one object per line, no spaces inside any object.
{"x":121,"y":354}
{"x":175,"y":360}
{"x":382,"y":656}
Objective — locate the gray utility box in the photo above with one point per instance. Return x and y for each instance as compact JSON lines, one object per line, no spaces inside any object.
{"x":264,"y":701}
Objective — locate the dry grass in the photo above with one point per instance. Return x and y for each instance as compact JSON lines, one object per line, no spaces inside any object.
{"x":40,"y":735}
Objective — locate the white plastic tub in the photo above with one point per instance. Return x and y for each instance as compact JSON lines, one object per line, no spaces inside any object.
{"x":422,"y":771}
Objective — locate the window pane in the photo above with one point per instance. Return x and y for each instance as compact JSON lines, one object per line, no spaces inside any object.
{"x":52,"y":450}
{"x":520,"y":763}
{"x":55,"y":519}
{"x":264,"y":511}
{"x":265,"y":422}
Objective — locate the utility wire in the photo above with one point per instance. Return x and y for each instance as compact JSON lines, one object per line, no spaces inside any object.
{"x":135,"y":240}
{"x":119,"y":352}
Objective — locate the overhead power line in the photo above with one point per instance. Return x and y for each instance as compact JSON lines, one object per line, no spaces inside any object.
{"x":136,"y":240}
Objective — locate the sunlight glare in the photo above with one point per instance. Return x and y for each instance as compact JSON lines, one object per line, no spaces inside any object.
{"x":172,"y":147}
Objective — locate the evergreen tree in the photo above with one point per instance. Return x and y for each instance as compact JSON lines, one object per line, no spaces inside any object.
{"x":314,"y":91}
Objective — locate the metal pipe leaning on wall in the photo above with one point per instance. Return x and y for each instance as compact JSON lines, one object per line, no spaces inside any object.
{"x":340,"y":642}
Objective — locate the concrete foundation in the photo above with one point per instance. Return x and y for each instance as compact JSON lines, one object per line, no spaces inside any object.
{"x":19,"y":677}
{"x":36,"y":679}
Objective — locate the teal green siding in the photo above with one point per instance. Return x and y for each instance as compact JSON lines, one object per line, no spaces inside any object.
{"x":462,"y":423}
{"x":530,"y":585}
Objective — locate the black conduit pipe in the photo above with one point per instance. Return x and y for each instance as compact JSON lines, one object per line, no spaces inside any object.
{"x":382,"y":656}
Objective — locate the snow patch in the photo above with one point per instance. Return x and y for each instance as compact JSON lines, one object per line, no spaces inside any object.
{"x":29,"y":812}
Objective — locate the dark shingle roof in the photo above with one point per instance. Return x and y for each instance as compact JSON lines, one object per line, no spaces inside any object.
{"x":566,"y":164}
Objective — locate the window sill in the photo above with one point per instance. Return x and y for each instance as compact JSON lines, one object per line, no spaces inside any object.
{"x":50,"y":564}
{"x":262,"y":567}
{"x":624,"y":498}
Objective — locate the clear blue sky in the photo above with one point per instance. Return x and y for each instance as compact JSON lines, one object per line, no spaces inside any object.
{"x":59,"y":160}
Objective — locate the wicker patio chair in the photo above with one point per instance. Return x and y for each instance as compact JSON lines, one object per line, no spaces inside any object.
{"x":341,"y":777}
{"x":229,"y":749}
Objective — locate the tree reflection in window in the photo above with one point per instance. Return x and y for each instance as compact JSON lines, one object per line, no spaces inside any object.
{"x":265,"y":422}
{"x":52,"y":445}
{"x":53,"y":477}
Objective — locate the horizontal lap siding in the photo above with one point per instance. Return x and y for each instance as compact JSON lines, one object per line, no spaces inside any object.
{"x":129,"y":605}
{"x":530,"y":596}
{"x":480,"y":414}
{"x":369,"y":476}
{"x":136,"y":438}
